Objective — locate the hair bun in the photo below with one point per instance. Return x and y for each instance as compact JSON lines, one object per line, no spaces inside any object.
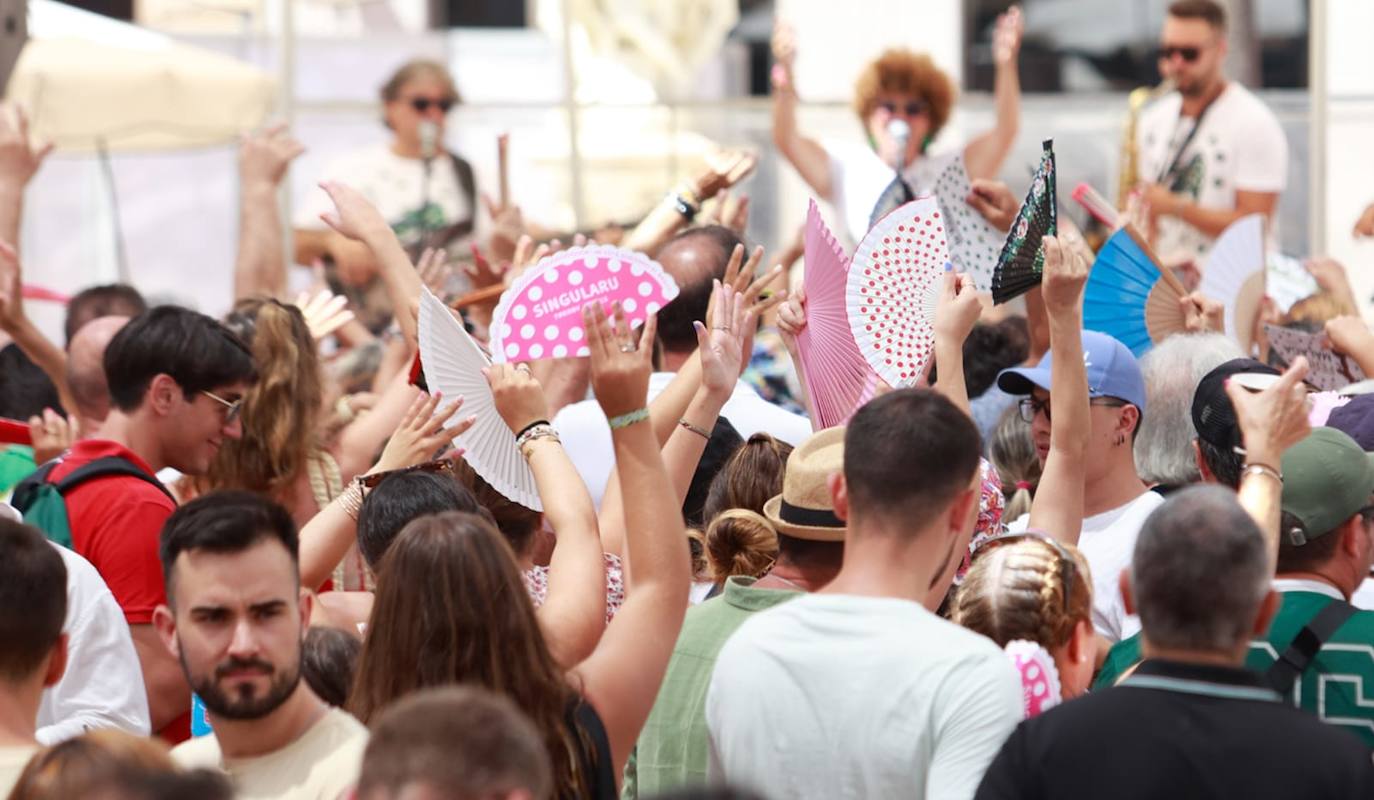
{"x":740,"y":542}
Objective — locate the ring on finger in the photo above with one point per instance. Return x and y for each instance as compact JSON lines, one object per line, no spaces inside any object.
{"x":626,"y":347}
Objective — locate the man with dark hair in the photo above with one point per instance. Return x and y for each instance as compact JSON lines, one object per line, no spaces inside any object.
{"x":455,"y":743}
{"x":110,"y":300}
{"x":1115,"y":499}
{"x":1214,"y":418}
{"x":1210,"y":152}
{"x":176,"y":380}
{"x":1191,"y":721}
{"x":33,"y":649}
{"x":694,"y":258}
{"x":1326,"y":547}
{"x":857,"y":690}
{"x":236,"y":619}
{"x":671,"y":750}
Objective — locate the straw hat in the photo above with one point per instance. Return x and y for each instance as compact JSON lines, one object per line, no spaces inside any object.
{"x":804,"y":509}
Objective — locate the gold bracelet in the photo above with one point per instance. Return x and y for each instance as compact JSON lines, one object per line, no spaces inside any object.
{"x":351,"y":499}
{"x":697,"y":429}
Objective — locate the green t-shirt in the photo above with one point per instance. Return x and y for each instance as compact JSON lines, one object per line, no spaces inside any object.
{"x":16,"y":464}
{"x":671,"y":751}
{"x":1333,"y":686}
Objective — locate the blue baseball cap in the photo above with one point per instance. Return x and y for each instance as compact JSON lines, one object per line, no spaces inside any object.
{"x":1112,"y":372}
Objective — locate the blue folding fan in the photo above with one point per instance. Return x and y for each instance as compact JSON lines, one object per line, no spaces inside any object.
{"x":1129,"y":297}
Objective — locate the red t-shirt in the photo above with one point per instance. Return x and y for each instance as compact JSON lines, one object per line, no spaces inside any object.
{"x":116,"y":522}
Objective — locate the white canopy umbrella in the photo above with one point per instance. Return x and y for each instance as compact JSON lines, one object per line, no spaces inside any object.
{"x":92,"y":83}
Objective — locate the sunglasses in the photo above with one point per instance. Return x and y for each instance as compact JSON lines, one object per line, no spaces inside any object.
{"x":422,"y":104}
{"x":914,"y":108}
{"x":1188,"y":54}
{"x":1029,"y":406}
{"x":440,"y":466}
{"x":1067,"y":566}
{"x":233,"y":407}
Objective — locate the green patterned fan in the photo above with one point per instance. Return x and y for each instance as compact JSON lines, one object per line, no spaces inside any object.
{"x":1021,"y":264}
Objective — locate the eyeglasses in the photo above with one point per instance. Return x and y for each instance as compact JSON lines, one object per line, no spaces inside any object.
{"x":1188,"y":54}
{"x":913,"y":108}
{"x":1067,"y":564}
{"x":422,"y":104}
{"x":233,"y":407}
{"x":1029,"y":406}
{"x":439,"y":466}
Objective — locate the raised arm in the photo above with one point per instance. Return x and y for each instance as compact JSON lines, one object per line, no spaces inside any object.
{"x":13,"y":321}
{"x":621,"y":679}
{"x":325,"y":539}
{"x":260,"y":267}
{"x":1058,"y":505}
{"x":573,"y":615}
{"x":19,"y":161}
{"x":805,"y":155}
{"x":1350,"y":336}
{"x":956,"y":313}
{"x":1270,"y":422}
{"x":675,"y":212}
{"x":357,"y":219}
{"x":984,"y":155}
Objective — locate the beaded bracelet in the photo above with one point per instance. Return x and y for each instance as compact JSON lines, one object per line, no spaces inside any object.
{"x":351,"y":499}
{"x":626,"y":420}
{"x":542,"y":430}
{"x":527,"y":428}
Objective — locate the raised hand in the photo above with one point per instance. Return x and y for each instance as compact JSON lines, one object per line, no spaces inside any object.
{"x":508,"y":225}
{"x":353,"y":216}
{"x":434,"y":270}
{"x":1364,"y":226}
{"x":518,"y":397}
{"x":1066,"y":273}
{"x":1006,"y":37}
{"x":1202,"y":314}
{"x":792,"y":317}
{"x":994,"y":201}
{"x":324,"y":312}
{"x":729,"y":210}
{"x":621,"y":359}
{"x":19,"y":157}
{"x":1275,"y":419}
{"x":957,"y":309}
{"x":481,"y":271}
{"x":721,"y":347}
{"x":784,"y":44}
{"x":422,"y":433}
{"x":265,"y":156}
{"x":52,"y":435}
{"x":724,"y":169}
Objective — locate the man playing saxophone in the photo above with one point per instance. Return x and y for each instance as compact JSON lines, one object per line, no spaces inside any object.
{"x":1210,"y":151}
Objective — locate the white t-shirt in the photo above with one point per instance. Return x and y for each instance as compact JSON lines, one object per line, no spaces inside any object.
{"x":397,"y":187}
{"x":1107,"y":542}
{"x":1240,"y":147}
{"x":587,"y":438}
{"x":1363,"y":598}
{"x":847,"y":696}
{"x":858,"y":177}
{"x":12,"y":763}
{"x":103,"y":684}
{"x":320,"y":765}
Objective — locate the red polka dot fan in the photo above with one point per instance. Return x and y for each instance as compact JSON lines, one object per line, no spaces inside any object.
{"x":894,"y":283}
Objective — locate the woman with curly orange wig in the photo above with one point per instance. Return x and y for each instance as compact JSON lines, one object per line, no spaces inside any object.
{"x":899,"y":85}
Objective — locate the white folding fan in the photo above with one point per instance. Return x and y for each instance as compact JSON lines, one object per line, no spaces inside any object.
{"x":1235,"y":276}
{"x":453,"y":365}
{"x":974,"y":243}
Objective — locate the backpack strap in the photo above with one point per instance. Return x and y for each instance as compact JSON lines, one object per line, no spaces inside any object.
{"x":23,"y":495}
{"x":107,"y":466}
{"x":1305,"y":646}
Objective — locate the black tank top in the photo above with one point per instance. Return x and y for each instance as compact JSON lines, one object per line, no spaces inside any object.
{"x":595,"y":765}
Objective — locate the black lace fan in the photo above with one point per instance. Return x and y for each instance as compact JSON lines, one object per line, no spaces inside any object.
{"x":1022,"y":262}
{"x":897,"y":194}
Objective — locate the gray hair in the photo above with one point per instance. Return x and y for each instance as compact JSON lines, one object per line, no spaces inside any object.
{"x":1172,"y":371}
{"x":1199,"y":572}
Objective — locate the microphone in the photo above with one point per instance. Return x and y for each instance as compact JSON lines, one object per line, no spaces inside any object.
{"x":429,"y":139}
{"x":900,"y":132}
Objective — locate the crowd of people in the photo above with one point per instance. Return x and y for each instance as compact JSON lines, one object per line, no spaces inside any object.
{"x":248,"y":558}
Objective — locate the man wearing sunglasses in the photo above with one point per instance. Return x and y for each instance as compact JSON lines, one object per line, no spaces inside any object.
{"x":1115,"y":499}
{"x":176,"y":382}
{"x":1210,"y":151}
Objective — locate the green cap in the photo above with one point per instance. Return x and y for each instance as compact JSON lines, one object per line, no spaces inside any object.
{"x":1326,"y":479}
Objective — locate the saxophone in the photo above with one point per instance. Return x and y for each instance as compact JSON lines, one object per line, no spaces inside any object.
{"x":1129,"y":174}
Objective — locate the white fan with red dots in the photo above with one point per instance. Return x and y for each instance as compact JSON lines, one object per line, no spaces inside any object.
{"x":894,"y":284}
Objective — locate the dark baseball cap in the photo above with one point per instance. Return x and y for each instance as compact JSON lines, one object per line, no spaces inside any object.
{"x":1356,"y":419}
{"x":1214,"y":417}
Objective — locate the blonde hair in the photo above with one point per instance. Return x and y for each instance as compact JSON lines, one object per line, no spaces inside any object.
{"x":1012,"y":453}
{"x":1016,"y":591}
{"x":901,"y":71}
{"x":282,"y":411}
{"x":1317,"y":309}
{"x":740,"y":542}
